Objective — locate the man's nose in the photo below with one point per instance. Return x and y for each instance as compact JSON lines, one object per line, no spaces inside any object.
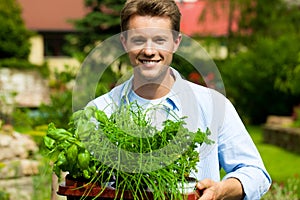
{"x":149,"y":48}
{"x":149,"y":51}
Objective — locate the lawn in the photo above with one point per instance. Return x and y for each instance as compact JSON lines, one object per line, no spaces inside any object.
{"x":281,"y":164}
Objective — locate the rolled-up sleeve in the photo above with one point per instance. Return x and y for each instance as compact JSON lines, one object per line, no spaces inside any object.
{"x":239,"y":157}
{"x":254,"y":180}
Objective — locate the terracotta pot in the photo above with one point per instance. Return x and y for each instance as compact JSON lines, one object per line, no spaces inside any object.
{"x":81,"y":189}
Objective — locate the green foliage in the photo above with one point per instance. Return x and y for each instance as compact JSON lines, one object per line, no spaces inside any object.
{"x":14,"y":36}
{"x":280,"y":163}
{"x":289,"y":79}
{"x":270,"y":18}
{"x":93,"y":144}
{"x":59,"y":109}
{"x":21,"y":118}
{"x":289,"y":190}
{"x":261,"y":75}
{"x":103,"y":21}
{"x":42,"y":184}
{"x":24,"y":64}
{"x":4,"y":195}
{"x":296,"y":116}
{"x":250,"y":77}
{"x":282,"y":166}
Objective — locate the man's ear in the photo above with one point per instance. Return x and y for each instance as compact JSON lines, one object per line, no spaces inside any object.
{"x":177,"y":42}
{"x":123,"y":41}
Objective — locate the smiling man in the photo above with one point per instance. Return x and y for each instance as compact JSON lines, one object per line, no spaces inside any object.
{"x":150,"y":44}
{"x":150,"y":36}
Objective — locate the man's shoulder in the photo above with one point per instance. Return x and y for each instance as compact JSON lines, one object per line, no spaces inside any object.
{"x":203,"y":90}
{"x":207,"y":97}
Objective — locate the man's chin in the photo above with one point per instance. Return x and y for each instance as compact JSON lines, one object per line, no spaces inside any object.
{"x":150,"y":77}
{"x":147,"y":74}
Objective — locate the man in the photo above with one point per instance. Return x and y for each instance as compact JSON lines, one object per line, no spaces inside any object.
{"x":150,"y":36}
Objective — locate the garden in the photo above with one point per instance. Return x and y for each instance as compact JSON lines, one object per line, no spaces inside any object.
{"x":261,"y":75}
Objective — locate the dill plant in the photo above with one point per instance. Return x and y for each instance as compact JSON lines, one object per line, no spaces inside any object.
{"x":125,"y":151}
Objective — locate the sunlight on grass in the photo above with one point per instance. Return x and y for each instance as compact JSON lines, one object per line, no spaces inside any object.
{"x":280,"y":163}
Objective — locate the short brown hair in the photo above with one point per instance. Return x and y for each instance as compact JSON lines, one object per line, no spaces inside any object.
{"x":151,"y":8}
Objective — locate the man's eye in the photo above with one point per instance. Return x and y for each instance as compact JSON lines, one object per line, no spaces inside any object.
{"x":138,"y":41}
{"x":160,"y":40}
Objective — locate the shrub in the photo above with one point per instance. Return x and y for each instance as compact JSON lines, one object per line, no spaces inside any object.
{"x":24,"y":65}
{"x":14,"y":36}
{"x":4,"y":195}
{"x":288,"y":191}
{"x":250,"y":78}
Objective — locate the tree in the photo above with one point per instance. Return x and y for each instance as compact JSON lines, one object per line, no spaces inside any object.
{"x":14,"y":36}
{"x":251,"y":78}
{"x":101,"y":22}
{"x":269,"y":69}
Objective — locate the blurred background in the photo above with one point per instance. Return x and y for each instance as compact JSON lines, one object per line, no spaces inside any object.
{"x":254,"y":43}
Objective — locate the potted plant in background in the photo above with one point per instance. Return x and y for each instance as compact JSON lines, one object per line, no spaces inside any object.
{"x":123,"y":156}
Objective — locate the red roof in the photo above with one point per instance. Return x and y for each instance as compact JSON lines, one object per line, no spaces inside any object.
{"x":203,"y":18}
{"x":53,"y":15}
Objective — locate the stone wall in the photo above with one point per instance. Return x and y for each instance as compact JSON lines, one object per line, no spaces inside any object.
{"x":279,"y":131}
{"x":25,"y":88}
{"x":17,"y":167}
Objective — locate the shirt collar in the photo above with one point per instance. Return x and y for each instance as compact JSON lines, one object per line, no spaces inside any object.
{"x":172,"y":100}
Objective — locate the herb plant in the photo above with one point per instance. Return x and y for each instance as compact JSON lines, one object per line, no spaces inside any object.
{"x":126,"y":151}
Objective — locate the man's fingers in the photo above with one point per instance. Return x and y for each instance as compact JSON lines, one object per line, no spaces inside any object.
{"x":205,"y":189}
{"x":201,"y":186}
{"x":208,"y":194}
{"x":205,"y":183}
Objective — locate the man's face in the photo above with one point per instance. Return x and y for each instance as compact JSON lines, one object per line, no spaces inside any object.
{"x":150,"y":45}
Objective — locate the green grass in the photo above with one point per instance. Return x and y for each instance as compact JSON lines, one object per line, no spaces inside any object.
{"x":280,"y":163}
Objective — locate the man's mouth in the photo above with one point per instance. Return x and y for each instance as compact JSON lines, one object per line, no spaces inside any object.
{"x":149,"y":62}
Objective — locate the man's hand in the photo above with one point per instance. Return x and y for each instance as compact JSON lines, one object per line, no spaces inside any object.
{"x":228,"y":189}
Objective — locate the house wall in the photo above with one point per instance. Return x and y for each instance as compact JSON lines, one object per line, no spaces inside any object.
{"x":54,"y":62}
{"x":36,"y":55}
{"x":59,"y":63}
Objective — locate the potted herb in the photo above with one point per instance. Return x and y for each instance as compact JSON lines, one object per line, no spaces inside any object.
{"x":123,"y":156}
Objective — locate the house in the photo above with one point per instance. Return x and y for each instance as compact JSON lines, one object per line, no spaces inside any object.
{"x":206,"y":18}
{"x":50,"y":19}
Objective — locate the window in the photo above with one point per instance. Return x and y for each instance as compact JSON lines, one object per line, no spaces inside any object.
{"x":53,"y":43}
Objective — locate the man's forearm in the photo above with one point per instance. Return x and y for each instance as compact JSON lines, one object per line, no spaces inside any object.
{"x":231,"y":188}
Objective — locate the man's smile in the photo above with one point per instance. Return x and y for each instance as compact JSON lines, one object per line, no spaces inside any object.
{"x":149,"y":62}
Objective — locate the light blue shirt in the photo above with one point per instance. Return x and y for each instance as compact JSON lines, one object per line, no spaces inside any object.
{"x":233,"y":149}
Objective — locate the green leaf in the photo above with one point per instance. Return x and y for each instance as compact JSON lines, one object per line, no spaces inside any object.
{"x":57,"y":134}
{"x":49,"y":142}
{"x":61,"y":159}
{"x":72,"y":153}
{"x":84,"y":159}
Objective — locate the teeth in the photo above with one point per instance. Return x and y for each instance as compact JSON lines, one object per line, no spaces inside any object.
{"x":149,"y":61}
